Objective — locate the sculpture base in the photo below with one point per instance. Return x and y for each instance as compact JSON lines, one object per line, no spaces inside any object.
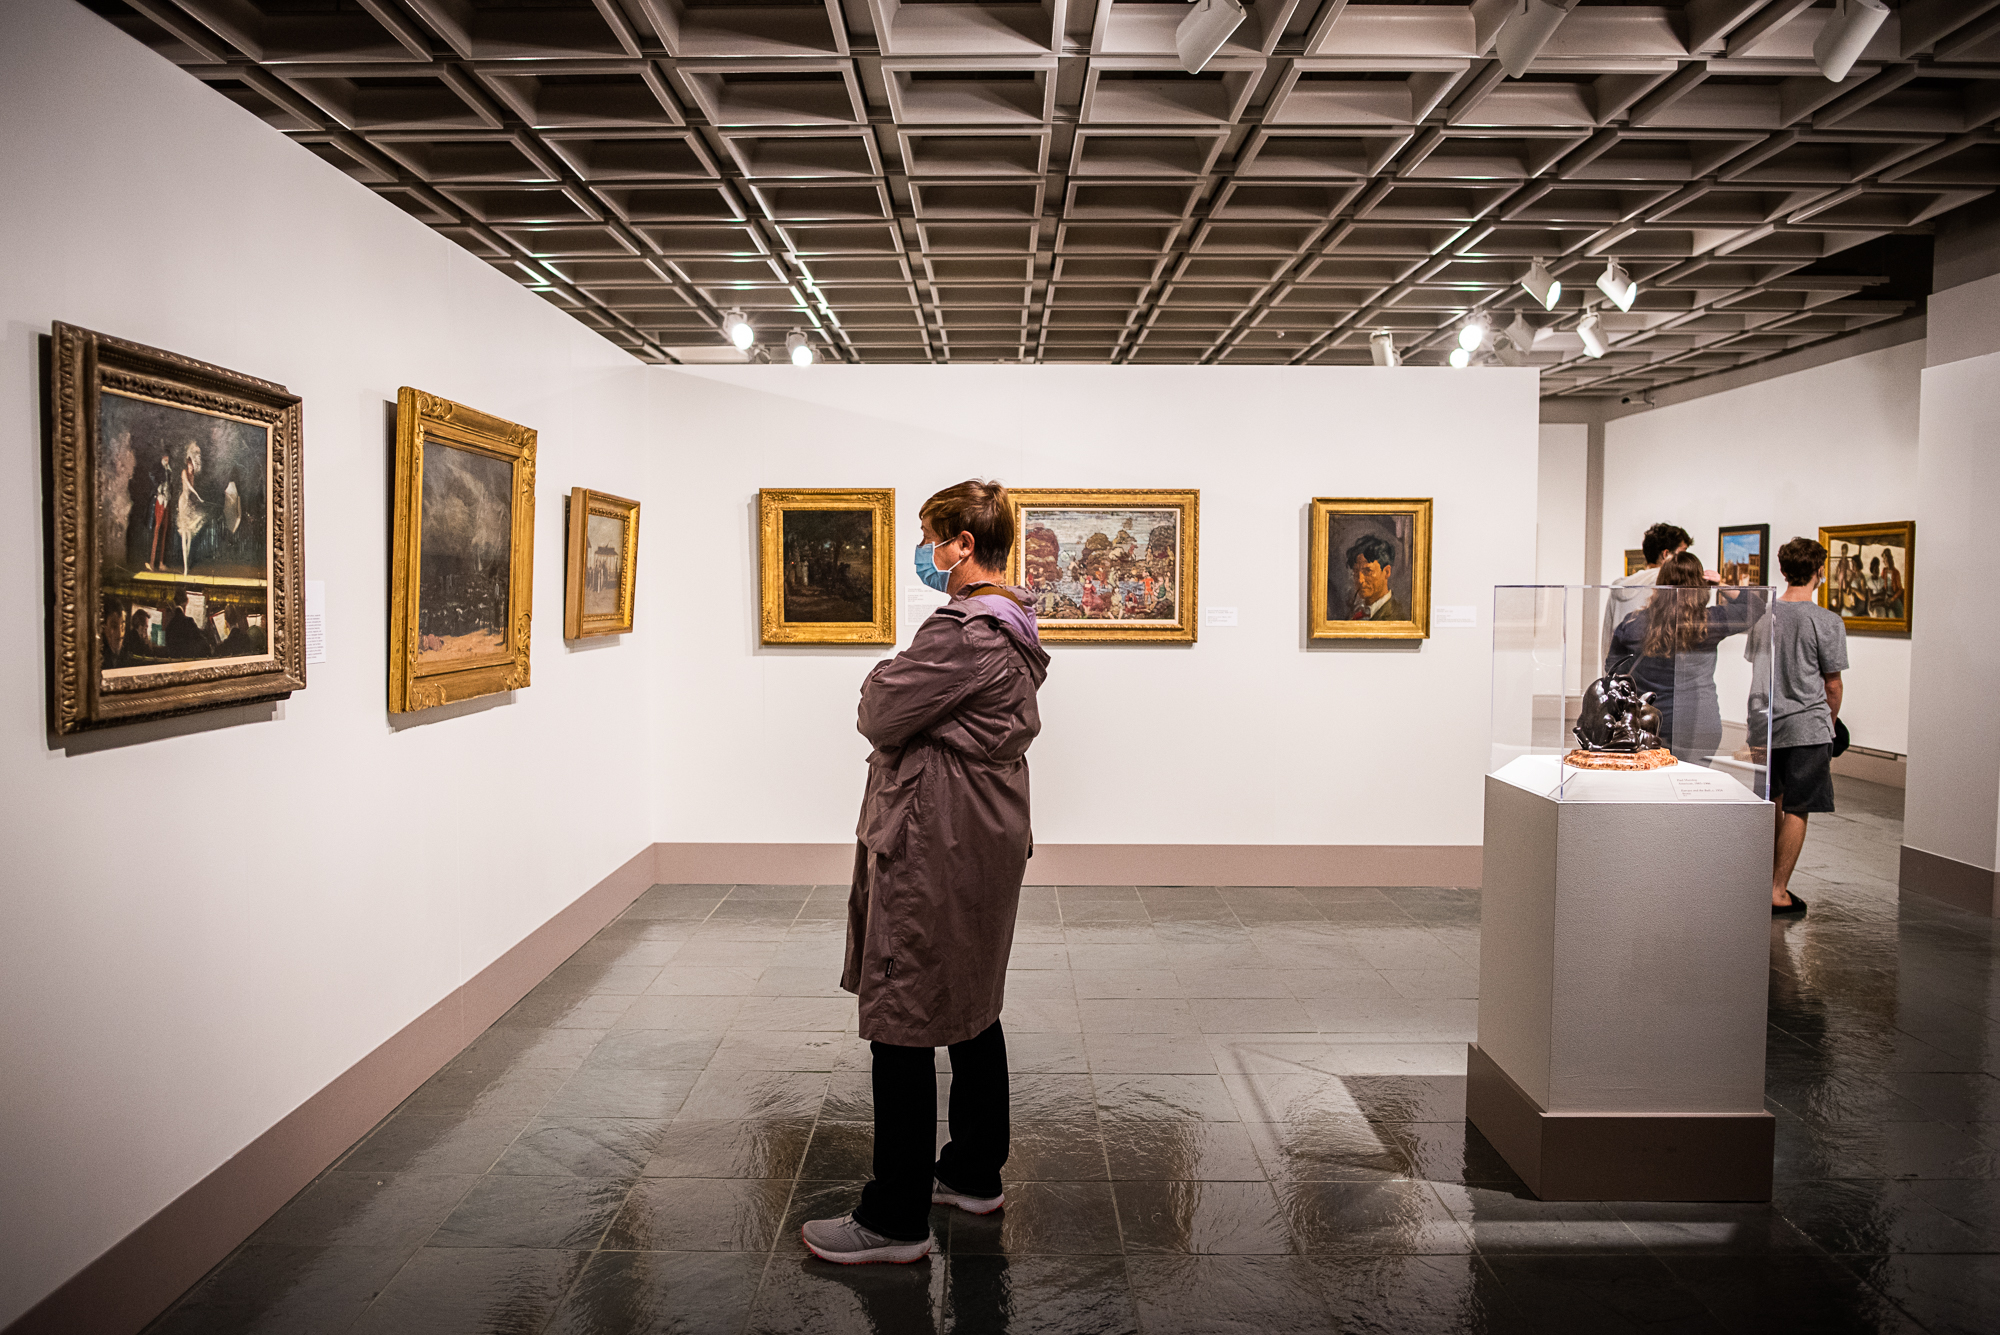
{"x":1660,"y":758}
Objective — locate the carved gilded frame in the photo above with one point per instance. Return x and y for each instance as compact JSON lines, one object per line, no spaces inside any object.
{"x":82,"y":366}
{"x":577,"y":624}
{"x":421,"y":417}
{"x":771,"y":506}
{"x":1187,"y":566}
{"x":1321,"y":625}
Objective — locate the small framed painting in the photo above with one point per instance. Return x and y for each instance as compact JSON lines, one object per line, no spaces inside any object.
{"x":176,"y":496}
{"x":463,"y":566}
{"x":1370,"y":569}
{"x":1635,"y":560}
{"x":1109,"y":566}
{"x":1743,"y":555}
{"x":602,"y":565}
{"x":1870,"y":575}
{"x":827,"y":565}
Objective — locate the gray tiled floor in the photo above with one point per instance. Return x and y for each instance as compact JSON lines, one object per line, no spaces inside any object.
{"x":1236,"y":1108}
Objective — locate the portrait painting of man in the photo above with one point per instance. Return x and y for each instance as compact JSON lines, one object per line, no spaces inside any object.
{"x":1370,"y":576}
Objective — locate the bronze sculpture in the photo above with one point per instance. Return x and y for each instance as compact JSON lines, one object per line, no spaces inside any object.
{"x":1618,"y":727}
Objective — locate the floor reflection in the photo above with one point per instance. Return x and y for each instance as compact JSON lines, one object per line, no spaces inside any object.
{"x":1237,"y":1109}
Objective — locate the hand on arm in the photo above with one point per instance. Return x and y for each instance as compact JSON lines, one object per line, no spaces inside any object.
{"x":919,"y":686}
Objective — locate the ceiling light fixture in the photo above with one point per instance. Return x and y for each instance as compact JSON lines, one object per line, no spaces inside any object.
{"x":1203,"y":30}
{"x":1473,"y":332}
{"x":1591,"y":330}
{"x":1618,"y":285}
{"x":1522,"y":334}
{"x":1846,"y":34}
{"x":798,"y":348}
{"x":1509,"y":352}
{"x":1541,"y":286}
{"x":1382,"y":347}
{"x":738,"y":329}
{"x":1461,"y":357}
{"x":1527,"y":31}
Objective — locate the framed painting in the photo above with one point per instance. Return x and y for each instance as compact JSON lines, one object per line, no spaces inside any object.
{"x":1635,"y":560}
{"x":603,"y":562}
{"x":828,"y":570}
{"x":177,"y":499}
{"x":1870,"y":576}
{"x":463,"y":565}
{"x":1743,"y":555}
{"x":1109,"y":566}
{"x":1370,"y":575}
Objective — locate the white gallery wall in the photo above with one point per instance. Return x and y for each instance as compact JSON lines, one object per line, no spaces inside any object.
{"x":1833,"y":444}
{"x":207,"y":921}
{"x":1562,"y":503}
{"x":1249,"y":736}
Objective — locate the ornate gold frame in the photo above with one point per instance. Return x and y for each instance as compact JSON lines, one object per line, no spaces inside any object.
{"x":584,"y":502}
{"x":1319,"y":625}
{"x":1186,"y":576}
{"x":82,"y":365}
{"x":771,"y":503}
{"x":1857,"y":534}
{"x":418,"y":416}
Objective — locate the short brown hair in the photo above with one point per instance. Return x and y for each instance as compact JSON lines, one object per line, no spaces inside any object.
{"x":1799,"y":558}
{"x":979,"y":508}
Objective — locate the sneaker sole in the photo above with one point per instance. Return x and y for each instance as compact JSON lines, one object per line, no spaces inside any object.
{"x":903,"y":1253}
{"x":970,"y":1204}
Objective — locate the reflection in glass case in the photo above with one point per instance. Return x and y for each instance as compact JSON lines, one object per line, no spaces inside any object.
{"x":1609,"y":693}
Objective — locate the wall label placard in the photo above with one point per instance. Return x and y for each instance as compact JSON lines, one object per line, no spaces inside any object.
{"x":1456,"y":616}
{"x":1218,"y":616}
{"x":315,"y":621}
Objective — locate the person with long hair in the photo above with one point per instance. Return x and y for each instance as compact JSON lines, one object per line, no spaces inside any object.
{"x":1668,"y":647}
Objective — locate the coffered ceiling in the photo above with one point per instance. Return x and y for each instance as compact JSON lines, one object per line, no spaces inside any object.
{"x":929,"y":180}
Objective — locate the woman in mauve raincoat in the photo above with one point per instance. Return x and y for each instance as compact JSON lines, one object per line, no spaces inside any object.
{"x":943,"y":842}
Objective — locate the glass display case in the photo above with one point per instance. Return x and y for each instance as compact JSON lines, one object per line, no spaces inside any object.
{"x":1607,"y":693}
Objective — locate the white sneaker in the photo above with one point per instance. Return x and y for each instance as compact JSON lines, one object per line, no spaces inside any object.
{"x":943,"y":1195}
{"x":847,"y":1243}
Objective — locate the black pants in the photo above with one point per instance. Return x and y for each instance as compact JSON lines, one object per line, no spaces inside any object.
{"x":897,"y":1203}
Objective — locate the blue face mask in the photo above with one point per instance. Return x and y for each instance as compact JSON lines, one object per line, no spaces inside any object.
{"x":928,"y":572}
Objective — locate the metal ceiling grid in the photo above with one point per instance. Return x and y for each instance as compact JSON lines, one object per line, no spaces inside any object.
{"x":935,"y":180}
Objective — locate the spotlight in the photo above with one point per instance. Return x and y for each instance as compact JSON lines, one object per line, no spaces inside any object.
{"x":1846,"y":34}
{"x":1591,"y":330}
{"x":1473,"y":332}
{"x":1541,"y":286}
{"x":1461,"y":357}
{"x":1382,"y":347}
{"x":1522,"y":334}
{"x":1527,"y":31}
{"x":738,"y":329}
{"x":1618,"y":285}
{"x":1205,"y":28}
{"x":1509,"y":352}
{"x":798,"y":349}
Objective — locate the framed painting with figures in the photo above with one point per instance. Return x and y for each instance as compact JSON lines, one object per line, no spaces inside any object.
{"x":1870,"y":576}
{"x":602,"y":565}
{"x":1109,"y":566}
{"x":176,"y":498}
{"x":1635,"y":560}
{"x":1370,"y":575}
{"x":462,"y":569}
{"x":1743,"y":555}
{"x":827,"y":565}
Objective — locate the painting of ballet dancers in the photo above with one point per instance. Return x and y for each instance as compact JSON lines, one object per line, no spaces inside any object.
{"x":184,"y":557}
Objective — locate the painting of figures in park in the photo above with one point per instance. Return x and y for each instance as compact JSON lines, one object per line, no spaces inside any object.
{"x":184,"y":497}
{"x":463,"y":560}
{"x":1870,"y":578}
{"x":1108,"y":565}
{"x":466,"y":559}
{"x":1370,"y":575}
{"x":828,"y":575}
{"x":175,"y":495}
{"x":603,"y":550}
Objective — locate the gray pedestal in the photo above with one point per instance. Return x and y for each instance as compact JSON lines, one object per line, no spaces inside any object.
{"x":1624,"y":954}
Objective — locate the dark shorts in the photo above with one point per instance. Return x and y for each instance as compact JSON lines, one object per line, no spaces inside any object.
{"x":1802,"y":778}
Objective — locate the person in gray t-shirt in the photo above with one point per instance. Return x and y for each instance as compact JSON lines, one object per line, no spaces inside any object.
{"x":1808,"y":654}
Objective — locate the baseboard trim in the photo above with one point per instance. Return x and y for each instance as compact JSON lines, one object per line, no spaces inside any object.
{"x":1881,"y":767}
{"x":134,"y":1281}
{"x":1949,"y":881}
{"x":1107,"y":864}
{"x":1620,"y":1156}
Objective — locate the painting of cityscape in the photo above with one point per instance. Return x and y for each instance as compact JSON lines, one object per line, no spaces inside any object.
{"x":1115,"y":565}
{"x":601,"y":569}
{"x":1744,"y":555}
{"x":462,"y":594}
